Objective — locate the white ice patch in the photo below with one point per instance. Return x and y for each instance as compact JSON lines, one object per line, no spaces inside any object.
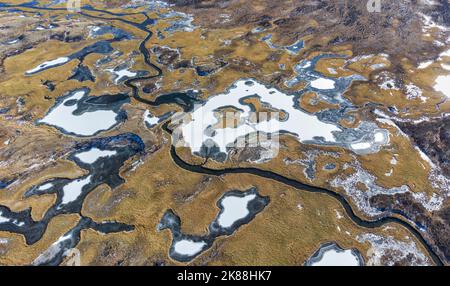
{"x":3,"y":219}
{"x":331,"y":71}
{"x":361,"y":146}
{"x":424,"y":157}
{"x":45,"y":187}
{"x":189,"y":247}
{"x":304,"y":65}
{"x":150,"y":119}
{"x":13,"y":41}
{"x":332,"y":257}
{"x":394,"y":161}
{"x":424,"y":65}
{"x":120,"y":74}
{"x":73,"y":190}
{"x":444,"y":54}
{"x":269,"y":150}
{"x":380,"y":137}
{"x":442,"y":84}
{"x":323,"y":83}
{"x":62,"y":239}
{"x":52,"y":251}
{"x":52,"y":63}
{"x":388,"y":174}
{"x":338,"y":214}
{"x":91,"y":156}
{"x":234,"y":209}
{"x":86,"y":124}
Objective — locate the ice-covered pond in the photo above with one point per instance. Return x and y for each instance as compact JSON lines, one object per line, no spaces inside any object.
{"x":92,"y":155}
{"x":187,"y":247}
{"x":330,"y":254}
{"x":48,"y":64}
{"x":81,"y":115}
{"x":236,"y":209}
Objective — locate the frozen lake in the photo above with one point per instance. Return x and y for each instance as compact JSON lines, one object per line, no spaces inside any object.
{"x":234,"y":209}
{"x":203,"y":127}
{"x":330,"y":254}
{"x":442,"y":84}
{"x":73,"y":190}
{"x":74,"y":114}
{"x":91,"y":156}
{"x":189,"y":247}
{"x":48,"y":64}
{"x":305,"y":126}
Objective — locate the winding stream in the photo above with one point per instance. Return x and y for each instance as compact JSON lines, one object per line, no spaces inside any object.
{"x":250,"y":171}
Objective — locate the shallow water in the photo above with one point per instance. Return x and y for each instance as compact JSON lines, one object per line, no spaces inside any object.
{"x":82,"y":73}
{"x":5,"y":184}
